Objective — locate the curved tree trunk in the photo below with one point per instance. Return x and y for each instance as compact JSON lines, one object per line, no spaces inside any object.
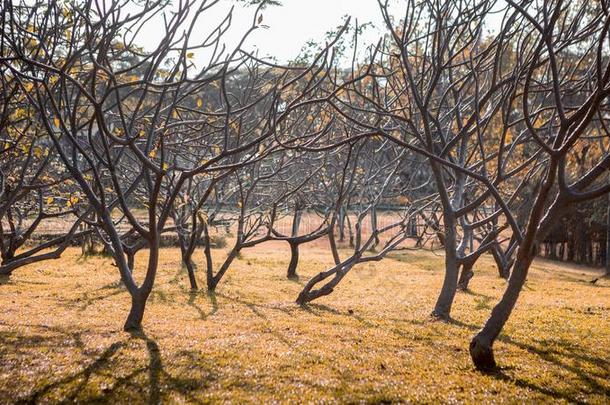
{"x":481,"y":346}
{"x":136,"y":313}
{"x":502,"y":263}
{"x":481,"y":349}
{"x":332,"y":242}
{"x":186,"y":254}
{"x":339,"y":271}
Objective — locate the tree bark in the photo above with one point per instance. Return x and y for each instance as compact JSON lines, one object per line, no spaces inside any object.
{"x":294,"y":260}
{"x":481,"y":346}
{"x":374,"y":227}
{"x":341,"y":224}
{"x":607,"y":264}
{"x":465,"y":276}
{"x":442,"y":309}
{"x":136,"y":313}
{"x":186,"y":254}
{"x":131,"y":260}
{"x":190,"y":268}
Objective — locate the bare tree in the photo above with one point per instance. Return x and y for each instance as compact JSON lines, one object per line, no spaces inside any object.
{"x":564,"y":98}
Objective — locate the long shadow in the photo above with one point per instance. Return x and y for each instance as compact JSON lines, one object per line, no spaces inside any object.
{"x":156,"y":372}
{"x":552,"y":356}
{"x":192,"y":303}
{"x":9,"y":279}
{"x":500,"y":375}
{"x":363,"y":321}
{"x":155,"y":366}
{"x":84,"y":376}
{"x":76,"y":386}
{"x":85,"y":301}
{"x":253,"y":306}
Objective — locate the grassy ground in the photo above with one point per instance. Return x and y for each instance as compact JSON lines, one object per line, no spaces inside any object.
{"x":370,"y":341}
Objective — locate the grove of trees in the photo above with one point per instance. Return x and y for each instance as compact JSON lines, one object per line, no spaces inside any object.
{"x":449,"y":133}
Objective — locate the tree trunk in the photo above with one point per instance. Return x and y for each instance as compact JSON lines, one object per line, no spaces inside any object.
{"x":350,"y":231}
{"x":136,"y":314}
{"x":186,"y":254}
{"x":294,"y":261}
{"x":465,"y":276}
{"x":501,"y":262}
{"x":442,"y":309}
{"x":190,"y":268}
{"x":213,"y":280}
{"x":332,"y":242}
{"x":481,"y":346}
{"x":341,"y":225}
{"x":608,"y":237}
{"x":296,"y":222}
{"x":374,"y":227}
{"x":481,"y":349}
{"x":337,"y":273}
{"x":131,"y":260}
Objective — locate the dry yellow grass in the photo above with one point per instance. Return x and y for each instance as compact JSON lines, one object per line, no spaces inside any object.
{"x":370,"y":341}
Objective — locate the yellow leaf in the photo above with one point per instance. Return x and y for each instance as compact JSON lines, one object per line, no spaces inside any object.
{"x":56,"y":122}
{"x":199,"y":103}
{"x":49,"y":200}
{"x":190,"y":55}
{"x":153,"y":153}
{"x":165,"y":166}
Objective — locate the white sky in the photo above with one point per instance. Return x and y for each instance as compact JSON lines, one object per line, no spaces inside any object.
{"x":290,"y":25}
{"x":297,"y":21}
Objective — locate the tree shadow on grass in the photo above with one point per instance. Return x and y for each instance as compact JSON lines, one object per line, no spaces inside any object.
{"x":110,"y":375}
{"x":568,"y":351}
{"x":86,"y":299}
{"x":5,"y":279}
{"x":192,"y":302}
{"x":499,"y":374}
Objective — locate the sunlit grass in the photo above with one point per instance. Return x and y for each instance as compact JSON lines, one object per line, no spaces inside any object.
{"x":371,"y":340}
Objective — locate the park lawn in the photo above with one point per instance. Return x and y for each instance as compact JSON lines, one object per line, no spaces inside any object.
{"x":370,"y":341}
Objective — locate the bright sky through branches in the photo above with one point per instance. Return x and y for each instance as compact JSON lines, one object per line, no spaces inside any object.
{"x":287,"y":28}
